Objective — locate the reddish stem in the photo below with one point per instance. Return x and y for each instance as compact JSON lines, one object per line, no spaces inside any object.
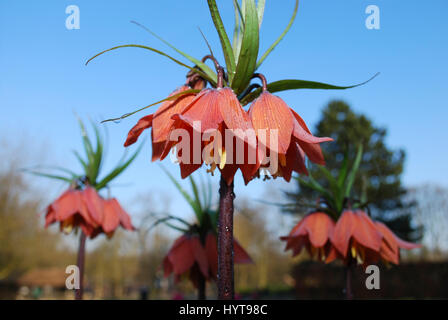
{"x":80,"y":263}
{"x":225,"y":241}
{"x":348,"y":280}
{"x":201,"y":287}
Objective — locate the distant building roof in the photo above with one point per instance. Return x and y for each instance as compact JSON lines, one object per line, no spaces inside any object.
{"x":54,"y":277}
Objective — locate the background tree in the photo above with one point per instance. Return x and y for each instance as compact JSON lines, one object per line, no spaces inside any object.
{"x":431,"y":212}
{"x":379,"y":177}
{"x":24,"y":245}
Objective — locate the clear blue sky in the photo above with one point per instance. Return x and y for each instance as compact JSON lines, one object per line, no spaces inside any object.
{"x":43,"y":79}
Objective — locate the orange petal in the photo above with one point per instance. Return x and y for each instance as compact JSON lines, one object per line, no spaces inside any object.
{"x":203,"y":110}
{"x":67,"y":205}
{"x":319,"y":227}
{"x":302,"y":133}
{"x":199,"y":255}
{"x":136,"y":131}
{"x":94,"y":203}
{"x":313,"y":152}
{"x":297,"y":157}
{"x":181,"y":255}
{"x":240,"y":255}
{"x":365,"y":232}
{"x":269,"y":112}
{"x":50,"y":216}
{"x":161,"y":122}
{"x":111,"y":217}
{"x":235,"y":117}
{"x":343,"y":231}
{"x":211,"y":250}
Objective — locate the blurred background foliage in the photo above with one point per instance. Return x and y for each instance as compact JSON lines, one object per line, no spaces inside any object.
{"x":33,"y":260}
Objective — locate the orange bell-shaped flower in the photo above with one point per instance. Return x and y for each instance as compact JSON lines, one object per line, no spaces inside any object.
{"x":87,"y":210}
{"x":188,"y":256}
{"x":282,"y":133}
{"x":357,"y":237}
{"x":313,"y":233}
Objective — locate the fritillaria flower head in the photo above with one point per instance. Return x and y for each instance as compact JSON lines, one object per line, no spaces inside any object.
{"x":340,"y":228}
{"x":81,"y":206}
{"x":87,"y":210}
{"x":357,"y":238}
{"x":283,"y":135}
{"x":195,"y":253}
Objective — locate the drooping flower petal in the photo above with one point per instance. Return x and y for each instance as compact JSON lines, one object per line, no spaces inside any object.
{"x":94,"y":203}
{"x":111,"y":217}
{"x":136,"y":131}
{"x":162,"y":122}
{"x":269,"y":113}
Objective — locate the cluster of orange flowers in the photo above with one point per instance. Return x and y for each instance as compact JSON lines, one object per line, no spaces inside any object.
{"x":217,"y":110}
{"x":354,"y":237}
{"x":189,"y":256}
{"x":87,"y":210}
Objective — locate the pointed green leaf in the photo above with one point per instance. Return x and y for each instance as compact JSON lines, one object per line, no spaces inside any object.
{"x":352,"y":175}
{"x":239,"y":26}
{"x":197,"y":200}
{"x":205,"y":75}
{"x":172,"y":97}
{"x":249,"y":49}
{"x":225,"y":42}
{"x":118,"y":170}
{"x":98,"y":154}
{"x":51,"y":176}
{"x":260,"y":11}
{"x":90,"y":172}
{"x":343,"y":171}
{"x":337,"y":192}
{"x":209,"y":74}
{"x":276,"y":42}
{"x":283,"y":85}
{"x":81,"y":160}
{"x":184,"y":193}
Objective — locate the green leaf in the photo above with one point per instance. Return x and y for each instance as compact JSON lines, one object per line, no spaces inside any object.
{"x":352,"y":175}
{"x":51,"y":176}
{"x":260,"y":11}
{"x":168,"y":218}
{"x":210,"y":75}
{"x":314,"y":185}
{"x":239,"y":26}
{"x":276,"y":42}
{"x":225,"y":42}
{"x":283,"y":85}
{"x":118,"y":170}
{"x":173,"y":97}
{"x":81,"y":160}
{"x":343,"y":171}
{"x":191,"y":202}
{"x":71,"y":173}
{"x":249,"y":49}
{"x":98,"y":154}
{"x":197,"y":200}
{"x":239,"y":12}
{"x":338,"y":194}
{"x":90,"y":172}
{"x":205,"y":75}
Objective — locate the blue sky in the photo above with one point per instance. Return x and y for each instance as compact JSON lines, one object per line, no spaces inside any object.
{"x":44,"y":80}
